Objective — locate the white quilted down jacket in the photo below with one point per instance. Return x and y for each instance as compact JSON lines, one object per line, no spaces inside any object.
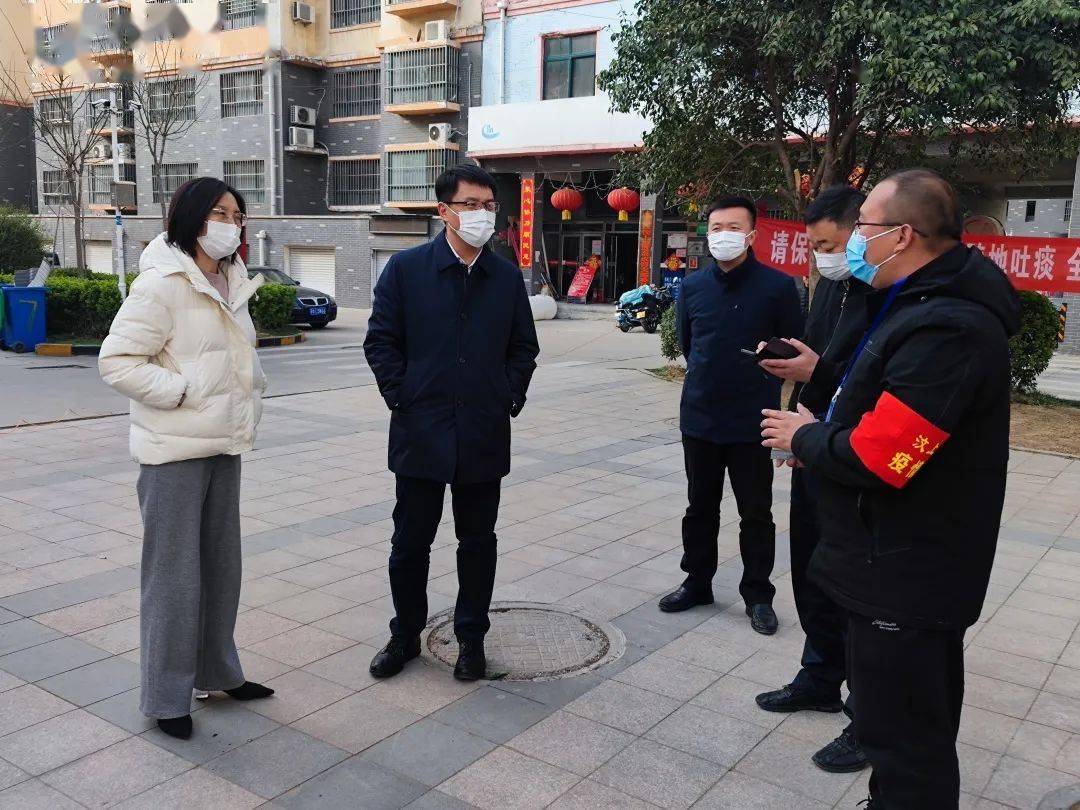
{"x":175,"y":334}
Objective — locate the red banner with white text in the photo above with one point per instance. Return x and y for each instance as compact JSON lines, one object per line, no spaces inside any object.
{"x":1030,"y":262}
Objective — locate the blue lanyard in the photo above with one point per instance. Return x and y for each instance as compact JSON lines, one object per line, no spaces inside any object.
{"x":893,"y":291}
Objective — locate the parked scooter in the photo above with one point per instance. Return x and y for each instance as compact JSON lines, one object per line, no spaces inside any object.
{"x":643,"y":307}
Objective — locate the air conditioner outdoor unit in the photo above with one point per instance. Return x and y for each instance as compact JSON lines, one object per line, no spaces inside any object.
{"x":436,"y":29}
{"x":303,"y":13}
{"x":102,"y":151}
{"x":299,"y":136}
{"x":305,"y":116}
{"x":125,"y":151}
{"x":439,"y":134}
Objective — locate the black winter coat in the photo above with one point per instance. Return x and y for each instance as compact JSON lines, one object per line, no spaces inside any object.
{"x":836,"y":321}
{"x":718,"y":314}
{"x":453,"y":354}
{"x":911,"y":469}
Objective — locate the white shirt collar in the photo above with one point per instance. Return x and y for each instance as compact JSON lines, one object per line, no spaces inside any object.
{"x":468,"y":265}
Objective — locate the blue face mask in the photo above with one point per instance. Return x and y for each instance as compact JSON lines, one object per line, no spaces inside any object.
{"x":856,"y":256}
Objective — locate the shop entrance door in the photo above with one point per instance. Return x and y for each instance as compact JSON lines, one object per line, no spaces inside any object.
{"x":620,"y":264}
{"x":577,"y":249}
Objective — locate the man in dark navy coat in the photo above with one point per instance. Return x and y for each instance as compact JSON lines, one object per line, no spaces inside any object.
{"x":452,"y":344}
{"x":723,"y":309}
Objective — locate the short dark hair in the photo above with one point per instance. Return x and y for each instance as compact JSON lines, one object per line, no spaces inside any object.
{"x":190,"y":208}
{"x":927,"y":201}
{"x":839,"y":204}
{"x":446,"y":185}
{"x":733,"y":201}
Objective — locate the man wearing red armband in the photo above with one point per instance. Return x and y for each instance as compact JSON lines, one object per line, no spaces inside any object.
{"x":911,"y":462}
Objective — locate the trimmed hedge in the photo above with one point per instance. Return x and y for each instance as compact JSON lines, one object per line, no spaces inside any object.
{"x":271,"y":307}
{"x":1031,"y":348}
{"x":81,"y":306}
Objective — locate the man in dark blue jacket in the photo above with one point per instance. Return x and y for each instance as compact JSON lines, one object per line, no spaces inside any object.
{"x":452,"y":344}
{"x":724,"y":309}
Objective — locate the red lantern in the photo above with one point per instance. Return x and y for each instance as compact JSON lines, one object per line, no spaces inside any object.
{"x":623,"y":200}
{"x":567,"y":199}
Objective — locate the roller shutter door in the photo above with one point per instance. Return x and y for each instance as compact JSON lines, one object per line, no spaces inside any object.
{"x":99,"y":258}
{"x":313,"y":267}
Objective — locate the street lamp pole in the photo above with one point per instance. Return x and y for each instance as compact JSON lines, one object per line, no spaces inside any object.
{"x":118,"y":235}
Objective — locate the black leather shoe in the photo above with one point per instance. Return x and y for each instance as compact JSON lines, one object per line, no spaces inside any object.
{"x":762,"y":618}
{"x":685,"y":597}
{"x":792,"y":698}
{"x":471,"y":663}
{"x":842,"y":755}
{"x":392,"y":658}
{"x":870,"y":803}
{"x":179,"y":727}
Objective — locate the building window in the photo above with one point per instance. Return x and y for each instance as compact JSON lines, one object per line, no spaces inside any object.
{"x":410,"y":175}
{"x":172,"y":100}
{"x":1029,"y":211}
{"x":424,"y":74}
{"x":248,"y":177}
{"x":1068,"y":211}
{"x":344,"y":13}
{"x":241,"y":93}
{"x":55,"y":111}
{"x":116,"y":36}
{"x":239,"y":14}
{"x":168,"y":177}
{"x":570,"y":66}
{"x":354,"y":182}
{"x":54,"y":189}
{"x":47,"y":39}
{"x":358,"y":92}
{"x":101,"y":117}
{"x":101,"y":177}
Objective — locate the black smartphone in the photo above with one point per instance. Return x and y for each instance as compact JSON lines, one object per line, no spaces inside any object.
{"x":775,"y":349}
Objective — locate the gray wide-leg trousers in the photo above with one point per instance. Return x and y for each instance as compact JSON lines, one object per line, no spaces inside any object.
{"x":190,"y":581}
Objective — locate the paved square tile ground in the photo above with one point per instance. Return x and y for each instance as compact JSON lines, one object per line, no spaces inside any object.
{"x":590,"y":520}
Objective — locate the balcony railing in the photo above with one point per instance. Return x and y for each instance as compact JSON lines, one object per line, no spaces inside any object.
{"x":422,"y":81}
{"x":119,"y":36}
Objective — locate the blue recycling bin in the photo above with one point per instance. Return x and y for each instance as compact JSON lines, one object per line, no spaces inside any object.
{"x":24,"y":317}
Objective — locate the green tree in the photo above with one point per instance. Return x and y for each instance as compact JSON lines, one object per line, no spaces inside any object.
{"x":21,"y":240}
{"x":1031,"y":348}
{"x":744,"y":95}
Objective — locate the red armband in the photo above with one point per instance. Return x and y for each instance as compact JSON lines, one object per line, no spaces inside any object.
{"x":894,"y":441}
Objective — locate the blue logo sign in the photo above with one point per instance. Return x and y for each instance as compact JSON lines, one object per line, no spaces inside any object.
{"x":489,"y":132}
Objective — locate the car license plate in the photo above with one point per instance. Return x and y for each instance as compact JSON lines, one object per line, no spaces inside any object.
{"x":317,"y":311}
{"x":641,"y":314}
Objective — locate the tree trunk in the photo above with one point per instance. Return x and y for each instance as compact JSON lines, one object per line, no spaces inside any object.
{"x":78,"y":225}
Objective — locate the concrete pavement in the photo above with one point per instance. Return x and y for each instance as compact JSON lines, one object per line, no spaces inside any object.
{"x":590,"y":522}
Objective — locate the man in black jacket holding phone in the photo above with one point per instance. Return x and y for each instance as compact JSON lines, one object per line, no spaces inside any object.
{"x":724,"y":309}
{"x":836,"y":321}
{"x":911,"y":462}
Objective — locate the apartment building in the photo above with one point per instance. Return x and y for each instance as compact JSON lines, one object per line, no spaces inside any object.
{"x":332,"y":117}
{"x":16,"y":111}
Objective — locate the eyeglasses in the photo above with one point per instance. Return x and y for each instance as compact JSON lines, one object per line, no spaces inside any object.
{"x":475,"y":205}
{"x":860,"y":223}
{"x":221,"y":215}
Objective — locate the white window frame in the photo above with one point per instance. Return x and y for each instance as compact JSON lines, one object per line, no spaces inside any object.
{"x":53,"y":190}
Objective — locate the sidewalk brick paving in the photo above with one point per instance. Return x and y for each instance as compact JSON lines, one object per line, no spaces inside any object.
{"x":590,"y":520}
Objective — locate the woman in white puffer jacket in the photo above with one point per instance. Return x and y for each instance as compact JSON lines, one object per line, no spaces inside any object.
{"x":182,"y":349}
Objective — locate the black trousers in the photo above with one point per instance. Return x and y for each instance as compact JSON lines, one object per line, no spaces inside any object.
{"x":909,"y":687}
{"x":751,"y":473}
{"x":416,"y":519}
{"x":823,"y":621}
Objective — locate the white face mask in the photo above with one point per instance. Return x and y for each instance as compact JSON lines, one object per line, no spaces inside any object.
{"x":727,"y":245}
{"x":476,"y":227}
{"x":221,"y":239}
{"x":833,"y":266}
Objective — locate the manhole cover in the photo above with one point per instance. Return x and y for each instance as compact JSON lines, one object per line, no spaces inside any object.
{"x":529,"y":642}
